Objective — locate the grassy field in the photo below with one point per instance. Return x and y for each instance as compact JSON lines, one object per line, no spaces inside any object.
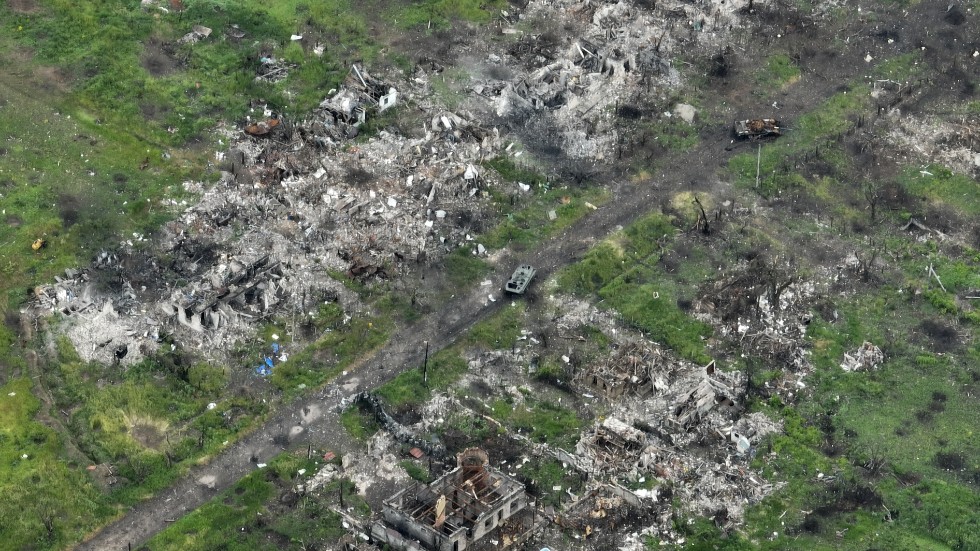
{"x":48,"y":500}
{"x":264,"y":511}
{"x":626,"y":273}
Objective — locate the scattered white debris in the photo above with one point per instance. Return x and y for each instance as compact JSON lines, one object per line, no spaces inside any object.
{"x":865,"y":358}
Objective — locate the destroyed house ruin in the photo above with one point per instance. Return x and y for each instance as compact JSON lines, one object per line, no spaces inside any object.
{"x":454,"y":512}
{"x":628,"y":371}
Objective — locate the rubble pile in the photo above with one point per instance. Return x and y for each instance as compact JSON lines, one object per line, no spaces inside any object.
{"x":298,"y":202}
{"x":619,"y":51}
{"x":765,"y":308}
{"x":867,"y":357}
{"x":603,"y":513}
{"x":628,"y":371}
{"x":955,"y":145}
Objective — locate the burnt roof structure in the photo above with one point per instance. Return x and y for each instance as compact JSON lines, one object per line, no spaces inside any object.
{"x":455,"y":511}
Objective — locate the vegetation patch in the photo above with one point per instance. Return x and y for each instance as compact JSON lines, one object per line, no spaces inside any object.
{"x":624,"y":273}
{"x":542,"y":210}
{"x":540,"y":420}
{"x":780,"y":71}
{"x":263,"y":511}
{"x":813,"y":137}
{"x":47,"y":501}
{"x":942,"y":186}
{"x":360,"y":422}
{"x":440,"y":14}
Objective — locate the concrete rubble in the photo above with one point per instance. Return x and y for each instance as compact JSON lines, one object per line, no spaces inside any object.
{"x":299,"y":202}
{"x":866,"y":357}
{"x":296,"y":203}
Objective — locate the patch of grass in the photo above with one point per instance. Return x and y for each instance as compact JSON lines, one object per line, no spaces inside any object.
{"x":449,"y":86}
{"x":463,"y":268}
{"x":441,"y":13}
{"x":779,"y":71}
{"x":359,"y":422}
{"x":813,"y":136}
{"x":47,"y":502}
{"x":131,"y":64}
{"x":499,"y":331}
{"x":541,"y":421}
{"x":623,"y":272}
{"x":77,"y":185}
{"x":942,"y":186}
{"x":251,"y":514}
{"x":330,"y":354}
{"x":416,"y":471}
{"x":901,"y":68}
{"x":542,"y":475}
{"x":671,"y":134}
{"x":445,"y":368}
{"x":151,"y":421}
{"x":527,"y":215}
{"x":913,"y":416}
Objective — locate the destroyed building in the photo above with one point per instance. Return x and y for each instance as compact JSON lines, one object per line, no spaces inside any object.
{"x":628,"y":372}
{"x":456,"y":511}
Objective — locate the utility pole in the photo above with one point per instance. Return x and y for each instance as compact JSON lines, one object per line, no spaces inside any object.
{"x":758,"y":164}
{"x":425,"y":366}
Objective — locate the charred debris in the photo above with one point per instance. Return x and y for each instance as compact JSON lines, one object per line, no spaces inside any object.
{"x":300,"y":201}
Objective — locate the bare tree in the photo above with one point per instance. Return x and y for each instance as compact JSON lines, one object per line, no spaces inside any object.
{"x":702,"y":224}
{"x":872,"y":198}
{"x":866,"y":261}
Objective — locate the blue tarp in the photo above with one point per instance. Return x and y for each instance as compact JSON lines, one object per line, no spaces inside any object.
{"x":268,"y":362}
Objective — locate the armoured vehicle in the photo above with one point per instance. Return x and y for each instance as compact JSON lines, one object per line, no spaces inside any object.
{"x":521,"y":278}
{"x":757,"y":128}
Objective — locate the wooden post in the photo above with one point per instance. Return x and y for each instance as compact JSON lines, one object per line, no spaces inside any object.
{"x":425,"y":366}
{"x":758,"y":164}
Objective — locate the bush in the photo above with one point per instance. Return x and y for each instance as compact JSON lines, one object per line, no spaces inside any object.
{"x":207,"y":378}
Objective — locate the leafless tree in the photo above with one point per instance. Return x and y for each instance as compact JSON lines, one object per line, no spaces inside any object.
{"x":872,"y":197}
{"x":866,"y":261}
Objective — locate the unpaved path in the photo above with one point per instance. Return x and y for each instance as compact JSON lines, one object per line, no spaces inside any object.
{"x":314,"y":419}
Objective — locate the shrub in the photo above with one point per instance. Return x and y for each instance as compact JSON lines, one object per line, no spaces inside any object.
{"x":207,"y":378}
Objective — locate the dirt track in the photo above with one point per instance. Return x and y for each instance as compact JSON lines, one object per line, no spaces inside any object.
{"x":316,"y":415}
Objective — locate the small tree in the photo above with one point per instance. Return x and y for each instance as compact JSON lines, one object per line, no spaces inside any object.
{"x":872,"y":198}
